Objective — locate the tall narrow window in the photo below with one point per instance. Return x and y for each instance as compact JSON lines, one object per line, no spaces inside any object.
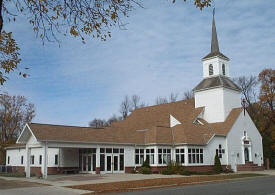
{"x":180,"y":156}
{"x":40,"y":159}
{"x":223,"y":69}
{"x":8,"y":160}
{"x":56,"y":159}
{"x":32,"y":159}
{"x":22,"y":160}
{"x":150,"y":155}
{"x":210,"y":69}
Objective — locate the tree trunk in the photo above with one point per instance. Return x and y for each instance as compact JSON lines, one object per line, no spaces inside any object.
{"x":1,"y":17}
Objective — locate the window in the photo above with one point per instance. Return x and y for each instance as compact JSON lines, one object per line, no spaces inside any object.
{"x":150,"y":155}
{"x":180,"y":155}
{"x":139,"y":156}
{"x":195,"y":155}
{"x":40,"y":159}
{"x":121,"y":162}
{"x":8,"y":160}
{"x":223,"y":69}
{"x":22,"y":160}
{"x":210,"y":69}
{"x":220,"y":151}
{"x":244,"y":133}
{"x":32,"y":159}
{"x":56,"y":159}
{"x":164,"y":155}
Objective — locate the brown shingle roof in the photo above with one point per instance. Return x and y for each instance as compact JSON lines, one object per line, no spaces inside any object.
{"x":217,"y":81}
{"x":148,"y":125}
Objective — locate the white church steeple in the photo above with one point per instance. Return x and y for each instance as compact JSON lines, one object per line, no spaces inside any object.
{"x":216,"y":92}
{"x":215,"y":63}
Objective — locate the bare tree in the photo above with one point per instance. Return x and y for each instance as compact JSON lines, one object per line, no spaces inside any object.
{"x":248,"y":87}
{"x":98,"y":123}
{"x":173,"y":97}
{"x":15,"y":112}
{"x":187,"y":95}
{"x":161,"y":100}
{"x":113,"y":118}
{"x":125,"y":107}
{"x":135,"y":102}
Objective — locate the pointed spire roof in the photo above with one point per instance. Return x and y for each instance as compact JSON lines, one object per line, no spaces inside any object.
{"x":215,"y":51}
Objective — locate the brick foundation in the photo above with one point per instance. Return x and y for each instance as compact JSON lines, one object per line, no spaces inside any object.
{"x":158,"y":169}
{"x":97,"y":170}
{"x":38,"y":171}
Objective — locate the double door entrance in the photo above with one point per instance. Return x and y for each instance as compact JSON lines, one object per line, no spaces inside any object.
{"x":113,"y":163}
{"x":88,"y":163}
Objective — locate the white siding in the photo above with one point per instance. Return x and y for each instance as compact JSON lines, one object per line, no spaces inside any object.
{"x":217,"y":67}
{"x":235,"y":143}
{"x":173,"y":121}
{"x":218,"y":103}
{"x":15,"y":156}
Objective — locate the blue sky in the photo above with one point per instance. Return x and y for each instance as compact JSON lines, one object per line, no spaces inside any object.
{"x":159,"y":53}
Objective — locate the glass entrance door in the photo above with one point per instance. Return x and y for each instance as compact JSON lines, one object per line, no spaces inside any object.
{"x":109,"y":163}
{"x":116,"y":162}
{"x":87,"y":163}
{"x":246,"y":154}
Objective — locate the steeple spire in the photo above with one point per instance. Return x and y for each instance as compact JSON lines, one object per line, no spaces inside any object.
{"x":214,"y":41}
{"x":215,"y":51}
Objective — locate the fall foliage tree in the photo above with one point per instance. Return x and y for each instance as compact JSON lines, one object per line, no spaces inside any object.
{"x":15,"y":112}
{"x":50,"y":18}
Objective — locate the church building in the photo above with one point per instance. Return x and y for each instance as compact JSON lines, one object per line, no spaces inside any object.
{"x":189,"y":132}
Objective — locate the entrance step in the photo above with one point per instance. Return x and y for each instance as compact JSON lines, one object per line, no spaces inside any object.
{"x":249,"y":166}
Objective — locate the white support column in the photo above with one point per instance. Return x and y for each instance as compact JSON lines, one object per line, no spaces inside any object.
{"x":98,"y":160}
{"x":27,"y":166}
{"x":250,"y":154}
{"x":186,"y":157}
{"x":45,"y":161}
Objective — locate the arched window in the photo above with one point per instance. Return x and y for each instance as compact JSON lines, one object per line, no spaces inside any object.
{"x":210,"y":69}
{"x":223,"y":69}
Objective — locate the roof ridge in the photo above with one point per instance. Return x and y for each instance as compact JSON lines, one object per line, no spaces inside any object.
{"x":157,"y":105}
{"x":63,"y":125}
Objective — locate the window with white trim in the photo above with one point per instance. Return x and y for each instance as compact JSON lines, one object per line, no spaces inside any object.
{"x":32,"y":160}
{"x":223,"y":69}
{"x":220,"y":151}
{"x":56,"y":159}
{"x":139,"y":156}
{"x":195,"y":155}
{"x":8,"y":160}
{"x":22,"y":160}
{"x":164,"y":155}
{"x":40,"y":159}
{"x":180,"y":156}
{"x":150,"y":155}
{"x":211,"y":70}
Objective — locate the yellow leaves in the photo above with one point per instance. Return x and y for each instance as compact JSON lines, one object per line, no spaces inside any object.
{"x":113,"y":16}
{"x":73,"y":31}
{"x":9,"y":51}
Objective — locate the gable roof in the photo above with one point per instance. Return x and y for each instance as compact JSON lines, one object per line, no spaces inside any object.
{"x":148,"y":125}
{"x":215,"y":82}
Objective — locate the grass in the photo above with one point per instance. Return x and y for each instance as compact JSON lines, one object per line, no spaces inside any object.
{"x":125,"y":186}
